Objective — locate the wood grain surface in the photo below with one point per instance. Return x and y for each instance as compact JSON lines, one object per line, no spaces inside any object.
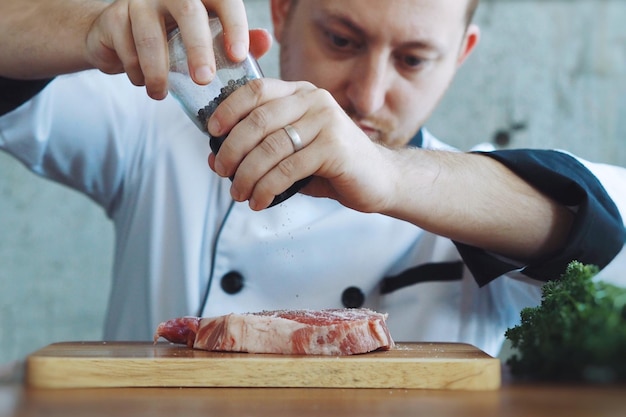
{"x":451,"y":366}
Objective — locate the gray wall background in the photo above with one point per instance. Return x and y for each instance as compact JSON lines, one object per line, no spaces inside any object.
{"x":549,"y":73}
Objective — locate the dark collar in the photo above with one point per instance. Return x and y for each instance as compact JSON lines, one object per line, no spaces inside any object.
{"x":418,"y":140}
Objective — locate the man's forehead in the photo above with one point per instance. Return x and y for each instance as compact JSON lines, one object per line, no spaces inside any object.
{"x":404,"y":20}
{"x":400,"y":12}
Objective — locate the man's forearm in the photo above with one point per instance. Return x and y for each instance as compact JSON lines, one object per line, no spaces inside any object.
{"x":477,"y":201}
{"x":43,"y":38}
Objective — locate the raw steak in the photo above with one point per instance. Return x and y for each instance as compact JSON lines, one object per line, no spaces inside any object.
{"x":299,"y":332}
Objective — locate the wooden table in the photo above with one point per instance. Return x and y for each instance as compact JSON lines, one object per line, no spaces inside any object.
{"x":513,"y":399}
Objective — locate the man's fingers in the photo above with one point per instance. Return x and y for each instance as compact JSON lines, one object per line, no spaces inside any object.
{"x":193,"y":22}
{"x":232,"y":14}
{"x":192,"y":19}
{"x":245,"y":99}
{"x":260,"y":42}
{"x":132,"y":34}
{"x":151,"y":48}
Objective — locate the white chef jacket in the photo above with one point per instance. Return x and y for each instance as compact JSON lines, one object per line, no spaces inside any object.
{"x":178,"y":232}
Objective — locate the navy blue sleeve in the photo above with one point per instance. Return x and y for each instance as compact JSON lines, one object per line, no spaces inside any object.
{"x":13,"y":93}
{"x":597,"y":233}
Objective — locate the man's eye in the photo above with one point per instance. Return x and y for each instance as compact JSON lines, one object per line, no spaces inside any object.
{"x":338,"y":41}
{"x":410,"y":61}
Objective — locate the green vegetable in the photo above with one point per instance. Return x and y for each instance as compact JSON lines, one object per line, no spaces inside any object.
{"x":578,"y":333}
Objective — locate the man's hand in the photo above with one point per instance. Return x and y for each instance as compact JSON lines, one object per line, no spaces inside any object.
{"x":44,"y":38}
{"x":260,"y":156}
{"x":131,"y":36}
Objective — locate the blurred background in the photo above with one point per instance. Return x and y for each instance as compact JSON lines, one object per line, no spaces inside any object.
{"x":547,"y":74}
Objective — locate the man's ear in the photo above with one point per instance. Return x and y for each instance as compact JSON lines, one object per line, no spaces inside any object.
{"x":280,"y":11}
{"x":471,"y":39}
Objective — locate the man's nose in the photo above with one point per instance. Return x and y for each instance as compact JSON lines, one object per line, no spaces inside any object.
{"x":369,"y":85}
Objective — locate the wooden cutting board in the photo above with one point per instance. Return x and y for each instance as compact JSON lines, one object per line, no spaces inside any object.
{"x":138,"y":364}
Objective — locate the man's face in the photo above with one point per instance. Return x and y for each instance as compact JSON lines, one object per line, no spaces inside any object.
{"x":387,"y":64}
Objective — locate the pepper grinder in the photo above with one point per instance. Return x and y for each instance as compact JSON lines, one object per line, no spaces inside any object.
{"x":200,"y":101}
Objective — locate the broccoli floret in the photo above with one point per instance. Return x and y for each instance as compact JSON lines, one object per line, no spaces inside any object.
{"x":578,"y":332}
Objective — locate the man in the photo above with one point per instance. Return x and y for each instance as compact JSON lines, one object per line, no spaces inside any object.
{"x":452,"y":245}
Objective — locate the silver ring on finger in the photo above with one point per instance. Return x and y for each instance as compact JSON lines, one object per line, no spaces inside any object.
{"x":296,"y":140}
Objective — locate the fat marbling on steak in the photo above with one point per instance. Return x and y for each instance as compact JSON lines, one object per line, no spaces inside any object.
{"x":299,"y":332}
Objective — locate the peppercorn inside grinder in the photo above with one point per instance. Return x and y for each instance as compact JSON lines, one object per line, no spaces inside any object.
{"x":200,"y":101}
